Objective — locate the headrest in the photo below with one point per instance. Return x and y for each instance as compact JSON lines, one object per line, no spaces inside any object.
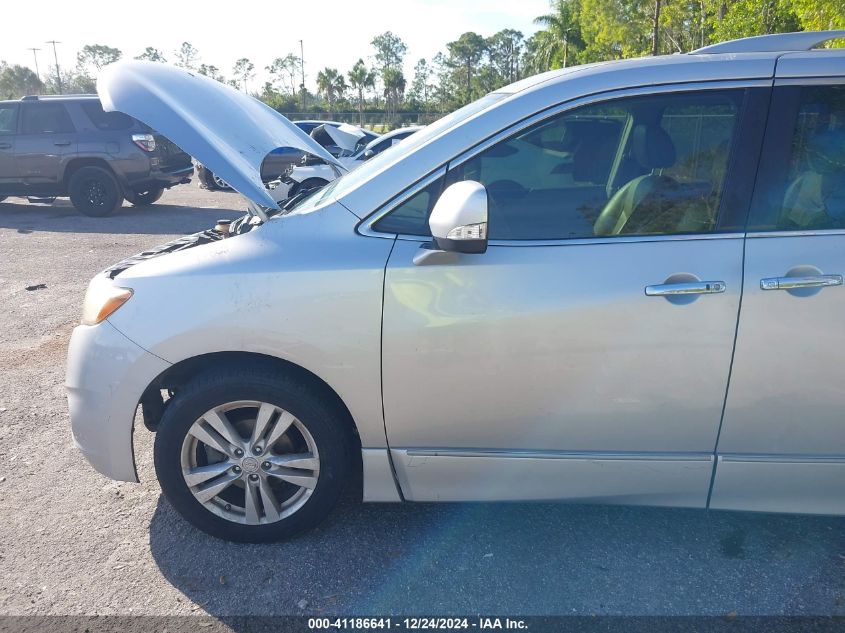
{"x":652,"y":147}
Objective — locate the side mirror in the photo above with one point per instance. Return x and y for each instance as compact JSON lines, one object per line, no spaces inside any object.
{"x":458,"y":221}
{"x":369,"y":154}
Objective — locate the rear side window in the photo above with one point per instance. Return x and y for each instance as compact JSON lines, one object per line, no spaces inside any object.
{"x":103,"y":120}
{"x":8,"y":118}
{"x":803,"y":186}
{"x":45,"y":118}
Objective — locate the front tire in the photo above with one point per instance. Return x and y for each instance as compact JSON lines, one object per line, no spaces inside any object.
{"x":95,"y":192}
{"x":250,"y":455}
{"x":146,"y":198}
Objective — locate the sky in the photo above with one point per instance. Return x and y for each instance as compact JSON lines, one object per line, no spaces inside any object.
{"x":336,"y":34}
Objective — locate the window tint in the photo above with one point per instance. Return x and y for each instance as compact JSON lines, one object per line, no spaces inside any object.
{"x":805,"y":187}
{"x":45,"y":118}
{"x":8,"y":118}
{"x":411,"y":216}
{"x":650,"y":165}
{"x":103,"y":120}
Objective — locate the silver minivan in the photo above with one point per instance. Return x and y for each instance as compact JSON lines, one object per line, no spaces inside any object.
{"x":613,"y":283}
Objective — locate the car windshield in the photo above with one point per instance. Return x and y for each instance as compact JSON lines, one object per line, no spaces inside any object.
{"x":353,"y":179}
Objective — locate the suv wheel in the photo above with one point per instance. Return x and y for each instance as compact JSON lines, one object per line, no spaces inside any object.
{"x":251,"y":455}
{"x":144,"y":198}
{"x":94,"y":192}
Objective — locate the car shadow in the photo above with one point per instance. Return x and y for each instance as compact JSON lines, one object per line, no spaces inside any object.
{"x":163,"y":219}
{"x":506,"y":559}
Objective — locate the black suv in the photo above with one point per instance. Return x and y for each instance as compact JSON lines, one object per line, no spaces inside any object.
{"x":69,"y":146}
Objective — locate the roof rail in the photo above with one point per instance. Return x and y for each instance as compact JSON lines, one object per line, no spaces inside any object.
{"x":68,"y":96}
{"x":780,"y":42}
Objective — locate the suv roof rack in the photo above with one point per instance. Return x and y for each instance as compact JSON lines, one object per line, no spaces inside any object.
{"x":70,"y":96}
{"x":780,"y":42}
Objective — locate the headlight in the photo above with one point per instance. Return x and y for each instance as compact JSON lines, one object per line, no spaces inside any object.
{"x":101,"y":300}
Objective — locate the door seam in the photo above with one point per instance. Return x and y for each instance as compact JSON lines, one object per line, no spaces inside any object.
{"x":750,"y":210}
{"x":381,"y":373}
{"x":728,"y":383}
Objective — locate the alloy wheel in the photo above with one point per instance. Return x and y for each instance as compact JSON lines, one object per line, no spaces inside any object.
{"x":250,"y":462}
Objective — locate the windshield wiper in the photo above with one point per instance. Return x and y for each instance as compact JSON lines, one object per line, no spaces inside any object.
{"x":295,"y":200}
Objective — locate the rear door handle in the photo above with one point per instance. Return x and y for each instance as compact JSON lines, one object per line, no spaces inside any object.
{"x":61,"y":143}
{"x":5,"y":145}
{"x":688,"y":288}
{"x":792,"y":283}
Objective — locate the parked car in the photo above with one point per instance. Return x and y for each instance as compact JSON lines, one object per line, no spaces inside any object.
{"x":68,"y":146}
{"x":281,"y":159}
{"x":648,"y":312}
{"x":313,"y":172}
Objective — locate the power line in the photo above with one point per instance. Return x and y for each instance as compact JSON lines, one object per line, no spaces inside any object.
{"x":56,"y":58}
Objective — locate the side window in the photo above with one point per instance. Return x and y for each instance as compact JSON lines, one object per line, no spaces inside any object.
{"x":103,"y":120}
{"x":45,"y":118}
{"x":379,"y":147}
{"x":651,"y":165}
{"x":8,"y":118}
{"x":411,"y":216}
{"x":804,"y":186}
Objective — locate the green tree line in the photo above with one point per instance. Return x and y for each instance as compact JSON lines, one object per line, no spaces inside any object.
{"x":572,"y":32}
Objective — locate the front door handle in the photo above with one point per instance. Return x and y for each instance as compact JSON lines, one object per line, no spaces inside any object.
{"x":687,"y":288}
{"x":61,"y":143}
{"x":793,"y":283}
{"x":5,"y":145}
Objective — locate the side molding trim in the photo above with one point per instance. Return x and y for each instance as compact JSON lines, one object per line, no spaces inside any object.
{"x":379,"y":483}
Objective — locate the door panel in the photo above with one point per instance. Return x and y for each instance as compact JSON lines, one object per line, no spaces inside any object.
{"x":562,"y":363}
{"x":8,"y":125}
{"x":782,"y":443}
{"x":558,"y":349}
{"x":787,"y":394}
{"x":47,"y":138}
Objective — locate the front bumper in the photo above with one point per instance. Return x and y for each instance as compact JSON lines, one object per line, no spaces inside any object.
{"x":106,"y":376}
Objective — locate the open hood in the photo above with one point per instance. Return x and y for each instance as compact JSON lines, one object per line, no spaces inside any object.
{"x":344,"y":136}
{"x":223,"y":128}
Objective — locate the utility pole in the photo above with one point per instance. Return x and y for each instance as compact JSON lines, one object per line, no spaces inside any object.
{"x":655,"y":29}
{"x":302,"y":71}
{"x":56,"y":58}
{"x":35,"y":55}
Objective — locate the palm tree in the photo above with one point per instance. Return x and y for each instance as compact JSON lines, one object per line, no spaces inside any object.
{"x":331,"y":84}
{"x":394,"y":88}
{"x":564,"y":29}
{"x":360,"y":77}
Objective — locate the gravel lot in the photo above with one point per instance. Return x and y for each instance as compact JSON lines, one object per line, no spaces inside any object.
{"x":73,"y":542}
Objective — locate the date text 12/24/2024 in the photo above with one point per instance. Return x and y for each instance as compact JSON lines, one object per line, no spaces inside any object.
{"x":416,"y":623}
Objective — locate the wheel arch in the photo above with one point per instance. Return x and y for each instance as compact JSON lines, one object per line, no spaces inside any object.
{"x":77,"y":163}
{"x":178,"y":374}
